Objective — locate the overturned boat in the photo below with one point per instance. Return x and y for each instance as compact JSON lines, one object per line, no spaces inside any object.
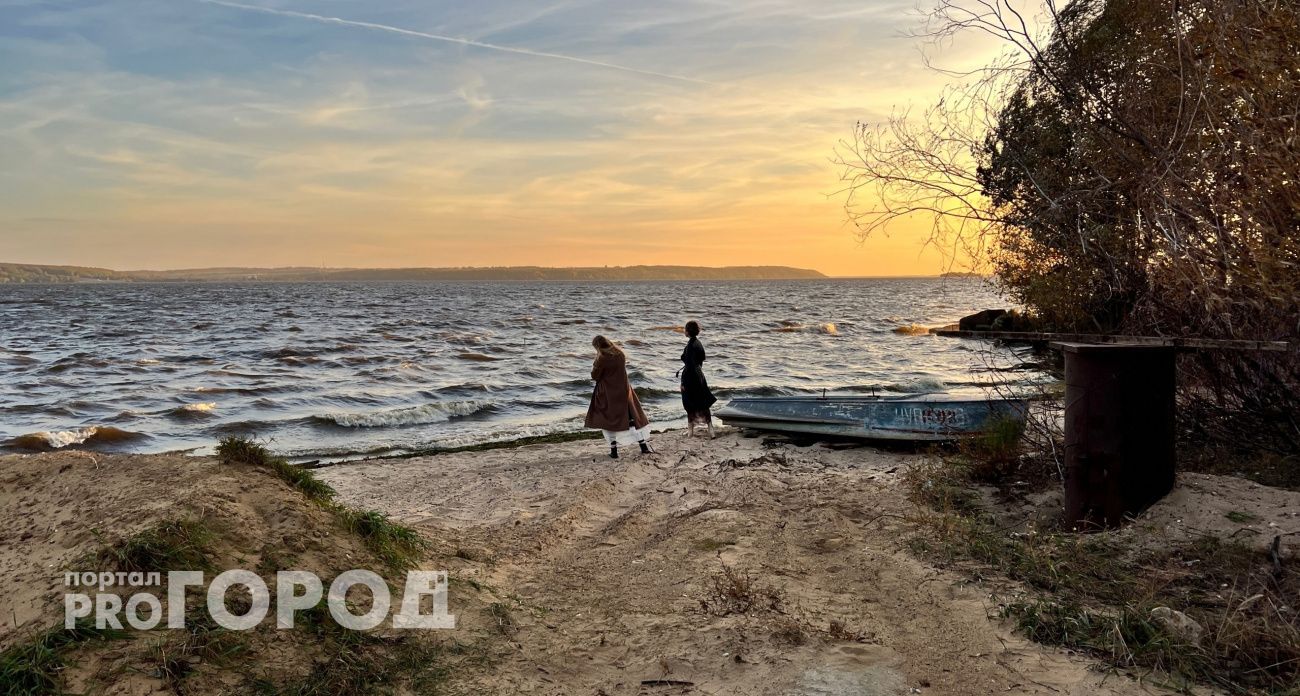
{"x":913,"y":417}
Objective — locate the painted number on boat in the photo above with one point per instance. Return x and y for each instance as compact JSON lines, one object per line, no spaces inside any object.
{"x":930,"y":416}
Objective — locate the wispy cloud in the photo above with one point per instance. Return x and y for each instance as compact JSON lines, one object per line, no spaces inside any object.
{"x":458,"y":40}
{"x":230,"y":133}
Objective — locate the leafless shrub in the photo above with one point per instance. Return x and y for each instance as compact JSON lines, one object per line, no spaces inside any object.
{"x":1124,"y":166}
{"x":731,"y":591}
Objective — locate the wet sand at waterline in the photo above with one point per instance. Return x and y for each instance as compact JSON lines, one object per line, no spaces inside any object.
{"x":606,"y":567}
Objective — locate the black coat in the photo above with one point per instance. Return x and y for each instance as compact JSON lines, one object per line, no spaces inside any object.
{"x":696,"y":396}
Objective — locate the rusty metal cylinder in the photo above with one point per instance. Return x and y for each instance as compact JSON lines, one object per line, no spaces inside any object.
{"x":1119,"y":431}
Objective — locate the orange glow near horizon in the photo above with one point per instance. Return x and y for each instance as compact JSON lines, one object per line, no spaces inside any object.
{"x":542,"y":141}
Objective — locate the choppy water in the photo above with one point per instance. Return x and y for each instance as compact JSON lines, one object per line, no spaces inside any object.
{"x":342,"y":369}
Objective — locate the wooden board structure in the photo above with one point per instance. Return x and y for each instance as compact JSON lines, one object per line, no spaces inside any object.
{"x":1180,"y":343}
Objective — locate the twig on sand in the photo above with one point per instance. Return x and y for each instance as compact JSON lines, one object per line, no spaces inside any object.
{"x":1275,"y":552}
{"x":1020,"y":674}
{"x":698,"y":509}
{"x":666,"y":682}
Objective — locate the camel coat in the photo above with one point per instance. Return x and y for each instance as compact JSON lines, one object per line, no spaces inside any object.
{"x":614,"y":405}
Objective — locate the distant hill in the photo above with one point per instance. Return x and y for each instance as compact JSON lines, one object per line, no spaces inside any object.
{"x":29,"y":273}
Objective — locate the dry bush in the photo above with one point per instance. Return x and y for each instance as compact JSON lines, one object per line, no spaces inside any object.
{"x":839,"y":630}
{"x":731,"y":591}
{"x":790,"y":631}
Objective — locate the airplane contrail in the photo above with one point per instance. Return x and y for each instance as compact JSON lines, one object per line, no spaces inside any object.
{"x":455,"y":40}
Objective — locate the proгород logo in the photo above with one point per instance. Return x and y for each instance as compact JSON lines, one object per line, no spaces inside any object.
{"x":423,"y":602}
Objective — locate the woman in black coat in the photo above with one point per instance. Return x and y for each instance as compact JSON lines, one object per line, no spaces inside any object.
{"x":696,"y":397}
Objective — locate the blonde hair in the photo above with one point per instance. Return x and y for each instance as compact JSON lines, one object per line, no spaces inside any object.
{"x":605,"y":346}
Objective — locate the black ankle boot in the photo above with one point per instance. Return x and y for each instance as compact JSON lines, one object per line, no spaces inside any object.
{"x":645,"y":448}
{"x":613,"y":452}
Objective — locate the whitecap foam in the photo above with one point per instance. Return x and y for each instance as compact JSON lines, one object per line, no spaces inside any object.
{"x":827,"y":329}
{"x":412,"y":415}
{"x":920,"y":385}
{"x":201,"y":407}
{"x":59,"y":439}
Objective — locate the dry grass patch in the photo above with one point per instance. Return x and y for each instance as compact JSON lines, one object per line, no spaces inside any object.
{"x":731,"y":591}
{"x":35,"y":667}
{"x":1211,"y":611}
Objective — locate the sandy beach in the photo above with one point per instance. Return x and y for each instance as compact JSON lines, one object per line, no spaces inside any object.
{"x":584,"y":575}
{"x":616,"y":557}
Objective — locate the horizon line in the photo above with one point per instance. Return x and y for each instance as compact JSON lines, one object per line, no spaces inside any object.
{"x":482,"y":268}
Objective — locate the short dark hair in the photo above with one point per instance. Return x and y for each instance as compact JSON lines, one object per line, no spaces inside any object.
{"x":692,"y":328}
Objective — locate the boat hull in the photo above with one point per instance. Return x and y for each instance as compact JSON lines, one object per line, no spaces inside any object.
{"x":915,"y":418}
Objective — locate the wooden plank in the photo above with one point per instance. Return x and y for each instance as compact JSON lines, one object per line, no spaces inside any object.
{"x":1183,"y":343}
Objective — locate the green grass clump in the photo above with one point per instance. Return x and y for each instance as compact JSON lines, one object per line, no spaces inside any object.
{"x":503,"y":619}
{"x":376,"y":668}
{"x":942,"y":485}
{"x":1127,"y":636}
{"x":358,"y":662}
{"x":35,"y":667}
{"x":202,"y":640}
{"x":182,"y":544}
{"x":240,"y":450}
{"x":1000,"y":441}
{"x":1241,"y":517}
{"x":397,"y":545}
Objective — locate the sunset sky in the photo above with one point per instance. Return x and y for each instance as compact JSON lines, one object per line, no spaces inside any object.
{"x":183,"y":133}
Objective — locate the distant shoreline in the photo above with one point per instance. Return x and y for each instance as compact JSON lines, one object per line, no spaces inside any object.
{"x":13,"y":273}
{"x":38,"y":274}
{"x":196,"y":281}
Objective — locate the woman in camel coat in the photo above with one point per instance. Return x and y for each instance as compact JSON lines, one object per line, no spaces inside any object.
{"x":614,"y":407}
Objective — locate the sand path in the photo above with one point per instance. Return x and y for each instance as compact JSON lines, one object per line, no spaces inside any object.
{"x":604,"y":564}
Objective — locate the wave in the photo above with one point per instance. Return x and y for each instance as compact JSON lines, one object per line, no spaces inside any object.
{"x":243,"y":391}
{"x":920,"y":385}
{"x":46,"y":440}
{"x":16,"y":358}
{"x":358,"y":360}
{"x":461,"y":338}
{"x":726,"y":393}
{"x":199,"y":359}
{"x":678,"y":329}
{"x":911,"y":330}
{"x":290,"y":353}
{"x":646,"y":393}
{"x":76,"y":361}
{"x":226,"y":372}
{"x":827,"y":329}
{"x":411,"y":415}
{"x":477,"y":357}
{"x":196,"y":410}
{"x":247,"y":427}
{"x":299,"y":362}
